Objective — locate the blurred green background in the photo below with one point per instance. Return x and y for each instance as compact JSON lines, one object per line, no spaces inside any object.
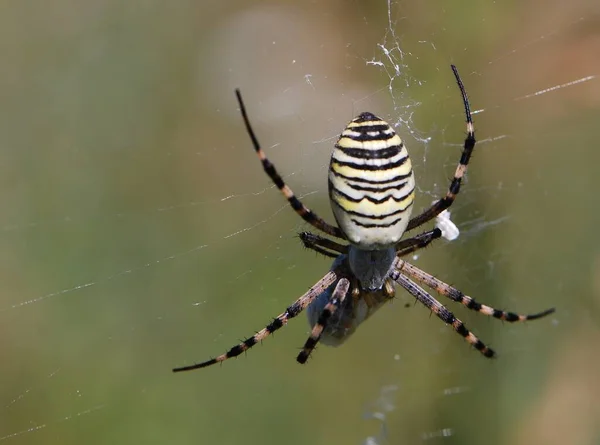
{"x":139,"y":233}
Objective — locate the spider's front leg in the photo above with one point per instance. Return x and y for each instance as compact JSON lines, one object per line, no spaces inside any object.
{"x":445,"y":202}
{"x":322,"y":245}
{"x":304,"y":212}
{"x":335,"y":300}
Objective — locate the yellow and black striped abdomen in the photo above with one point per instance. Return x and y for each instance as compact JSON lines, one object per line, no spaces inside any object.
{"x":371,"y":183}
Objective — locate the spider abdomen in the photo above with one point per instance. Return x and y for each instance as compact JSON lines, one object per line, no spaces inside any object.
{"x":371,"y":183}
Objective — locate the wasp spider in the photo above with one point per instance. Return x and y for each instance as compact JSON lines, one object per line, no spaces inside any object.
{"x":372,"y":191}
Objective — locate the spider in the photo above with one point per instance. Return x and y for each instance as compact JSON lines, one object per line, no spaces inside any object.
{"x":372,"y":190}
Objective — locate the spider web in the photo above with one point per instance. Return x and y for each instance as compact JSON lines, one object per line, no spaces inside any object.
{"x":139,"y":232}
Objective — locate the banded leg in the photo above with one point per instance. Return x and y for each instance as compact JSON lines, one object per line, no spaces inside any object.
{"x":322,"y":245}
{"x":417,"y":242}
{"x":461,"y":169}
{"x":330,"y":248}
{"x":454,"y":294}
{"x":441,"y":311}
{"x":281,"y":320}
{"x":337,"y":298}
{"x":307,"y":215}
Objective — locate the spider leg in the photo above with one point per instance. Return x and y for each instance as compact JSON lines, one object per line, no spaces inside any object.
{"x":323,"y":251}
{"x":330,"y":248}
{"x":322,"y":245}
{"x":307,"y":215}
{"x":445,"y":202}
{"x":417,"y":242}
{"x":441,"y":311}
{"x":298,"y":306}
{"x":337,"y":298}
{"x":454,"y":294}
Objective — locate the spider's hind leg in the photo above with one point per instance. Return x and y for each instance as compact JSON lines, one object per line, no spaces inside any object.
{"x":337,"y":298}
{"x":278,"y":322}
{"x":441,"y":312}
{"x":456,"y":295}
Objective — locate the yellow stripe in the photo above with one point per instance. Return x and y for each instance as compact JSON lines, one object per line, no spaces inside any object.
{"x":373,"y":175}
{"x":354,"y":124}
{"x":367,"y":208}
{"x":347,"y":142}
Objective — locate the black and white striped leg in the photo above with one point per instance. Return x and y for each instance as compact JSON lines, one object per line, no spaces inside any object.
{"x":281,"y":320}
{"x":454,"y":294}
{"x":308,"y":215}
{"x":337,"y":298}
{"x":441,"y":311}
{"x":461,"y":169}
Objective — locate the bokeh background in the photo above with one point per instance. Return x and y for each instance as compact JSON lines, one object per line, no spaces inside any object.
{"x":138,"y":231}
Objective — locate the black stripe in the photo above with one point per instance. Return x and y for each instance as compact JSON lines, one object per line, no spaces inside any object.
{"x":472,"y":304}
{"x":309,"y":346}
{"x":310,"y":343}
{"x":399,"y":163}
{"x":370,"y":181}
{"x":376,"y":225}
{"x":296,"y":204}
{"x":462,"y":330}
{"x":293,"y":310}
{"x":480,"y":346}
{"x":326,"y":314}
{"x":363,"y":135}
{"x":377,"y":189}
{"x":302,"y":357}
{"x":235,"y":351}
{"x":455,"y":186}
{"x":508,"y":316}
{"x":274,"y":325}
{"x":457,"y":295}
{"x":468,"y":150}
{"x":371,"y":199}
{"x":369,"y":127}
{"x":365,"y":153}
{"x":272,"y":173}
